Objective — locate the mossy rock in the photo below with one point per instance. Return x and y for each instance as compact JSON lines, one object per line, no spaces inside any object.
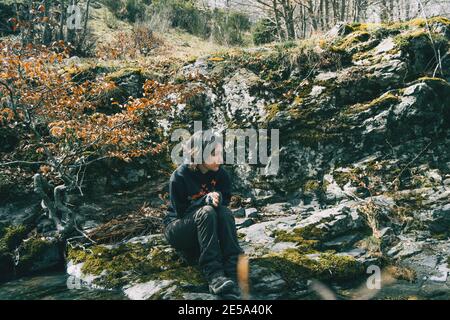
{"x":353,"y":39}
{"x":33,"y":253}
{"x":295,"y":266}
{"x":439,"y":85}
{"x":420,"y":47}
{"x":38,"y":254}
{"x":134,"y":263}
{"x":11,"y":237}
{"x":312,"y":138}
{"x":347,"y":29}
{"x":312,"y":186}
{"x":311,"y":232}
{"x":421,"y":22}
{"x":124,"y":73}
{"x":272,"y":110}
{"x":303,"y":245}
{"x":85,"y":72}
{"x":383,"y":102}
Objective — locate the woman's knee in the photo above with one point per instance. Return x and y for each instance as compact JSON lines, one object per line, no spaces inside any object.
{"x":181,"y":234}
{"x":206,"y":212}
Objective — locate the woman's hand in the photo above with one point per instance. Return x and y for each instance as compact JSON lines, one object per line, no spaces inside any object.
{"x":213,"y":199}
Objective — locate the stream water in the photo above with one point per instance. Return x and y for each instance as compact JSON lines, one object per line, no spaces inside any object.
{"x":51,"y":286}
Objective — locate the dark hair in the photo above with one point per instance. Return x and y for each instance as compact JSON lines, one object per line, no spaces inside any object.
{"x":213,"y":136}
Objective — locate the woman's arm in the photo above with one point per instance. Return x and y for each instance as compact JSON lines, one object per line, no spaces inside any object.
{"x":178,"y":197}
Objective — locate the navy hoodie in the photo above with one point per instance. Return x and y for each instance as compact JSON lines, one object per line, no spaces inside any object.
{"x":188,"y":190}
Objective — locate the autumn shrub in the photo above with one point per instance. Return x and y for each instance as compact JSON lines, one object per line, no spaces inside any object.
{"x":35,"y":92}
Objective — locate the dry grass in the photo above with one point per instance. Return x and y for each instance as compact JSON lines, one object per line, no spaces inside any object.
{"x":402,"y":273}
{"x":168,"y":44}
{"x":143,"y":221}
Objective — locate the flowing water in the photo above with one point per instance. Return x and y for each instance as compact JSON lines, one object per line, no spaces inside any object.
{"x":52,"y":286}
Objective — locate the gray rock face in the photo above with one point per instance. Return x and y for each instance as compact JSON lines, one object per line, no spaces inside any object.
{"x":335,"y":221}
{"x":277,"y":209}
{"x":238,"y":213}
{"x":25,"y":211}
{"x":363,"y":158}
{"x":241,"y":105}
{"x":251,"y":213}
{"x":147,"y":290}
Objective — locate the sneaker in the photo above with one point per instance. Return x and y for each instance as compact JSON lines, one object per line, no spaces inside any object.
{"x":220,"y":285}
{"x":233,"y":294}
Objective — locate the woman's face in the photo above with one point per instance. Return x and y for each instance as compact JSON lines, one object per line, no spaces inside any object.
{"x":215,"y":159}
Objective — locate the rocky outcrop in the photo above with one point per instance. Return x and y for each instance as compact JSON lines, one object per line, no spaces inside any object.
{"x":364,"y":168}
{"x":21,"y":254}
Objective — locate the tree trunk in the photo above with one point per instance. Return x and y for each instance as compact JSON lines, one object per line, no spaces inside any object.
{"x":62,"y":19}
{"x":47,"y":36}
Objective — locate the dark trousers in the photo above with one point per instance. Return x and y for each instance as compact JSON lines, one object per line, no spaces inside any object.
{"x":208,"y":236}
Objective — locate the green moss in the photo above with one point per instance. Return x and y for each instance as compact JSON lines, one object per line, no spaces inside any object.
{"x":382,"y":102}
{"x":11,"y":237}
{"x":342,"y":177}
{"x":129,"y":263}
{"x":31,"y":251}
{"x":439,"y":85}
{"x":310,"y":232}
{"x":192,"y":59}
{"x":416,"y":23}
{"x":390,"y":26}
{"x":187,"y":275}
{"x":303,"y":245}
{"x":312,"y":137}
{"x":271,"y":111}
{"x":275,"y":64}
{"x":439,"y":81}
{"x":421,"y":22}
{"x":349,"y":28}
{"x":403,"y":40}
{"x":406,"y":41}
{"x":359,"y":26}
{"x":311,"y":185}
{"x":440,"y":235}
{"x":352,"y":39}
{"x":85,"y":72}
{"x":294,"y":266}
{"x":125,"y":72}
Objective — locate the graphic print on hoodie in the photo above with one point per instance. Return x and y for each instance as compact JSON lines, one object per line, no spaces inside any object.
{"x":188,"y":190}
